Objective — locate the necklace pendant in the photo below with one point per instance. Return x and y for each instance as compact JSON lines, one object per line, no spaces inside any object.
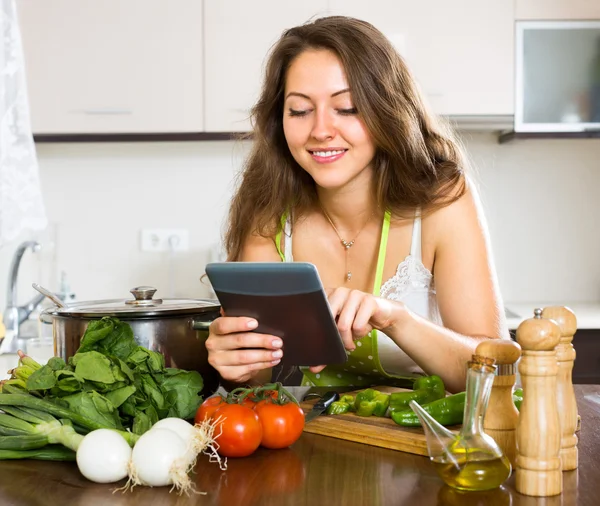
{"x":348,"y":276}
{"x":347,"y":244}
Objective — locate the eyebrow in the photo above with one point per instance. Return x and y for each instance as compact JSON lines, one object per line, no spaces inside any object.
{"x":295,"y":93}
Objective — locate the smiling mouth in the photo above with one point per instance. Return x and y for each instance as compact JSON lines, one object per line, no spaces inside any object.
{"x":328,"y":153}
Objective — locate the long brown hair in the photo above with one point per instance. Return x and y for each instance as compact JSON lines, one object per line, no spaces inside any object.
{"x":417,"y":162}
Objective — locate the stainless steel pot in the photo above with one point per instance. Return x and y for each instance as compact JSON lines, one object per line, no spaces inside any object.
{"x":176,"y":328}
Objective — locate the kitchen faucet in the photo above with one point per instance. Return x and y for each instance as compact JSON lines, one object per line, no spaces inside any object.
{"x":15,"y":315}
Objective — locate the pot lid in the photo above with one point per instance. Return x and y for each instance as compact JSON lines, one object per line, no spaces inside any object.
{"x":141,"y":305}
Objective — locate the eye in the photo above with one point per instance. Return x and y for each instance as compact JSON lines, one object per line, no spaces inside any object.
{"x":294,"y":112}
{"x":347,"y":112}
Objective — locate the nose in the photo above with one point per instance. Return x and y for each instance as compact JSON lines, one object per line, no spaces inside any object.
{"x":324,"y":126}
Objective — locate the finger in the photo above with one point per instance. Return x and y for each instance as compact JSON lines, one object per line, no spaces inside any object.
{"x":337,"y":299}
{"x":247,"y":357}
{"x":230,"y":324}
{"x":316,"y":368}
{"x":228,"y":342}
{"x":362,"y":320}
{"x":241,"y":374}
{"x":346,"y":318}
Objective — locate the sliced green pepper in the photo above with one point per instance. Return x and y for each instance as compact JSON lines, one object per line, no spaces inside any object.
{"x":518,"y":397}
{"x":348,"y":399}
{"x":338,"y":408}
{"x":366,"y":395}
{"x":382,"y":401}
{"x":447,"y":411}
{"x":426,"y":389}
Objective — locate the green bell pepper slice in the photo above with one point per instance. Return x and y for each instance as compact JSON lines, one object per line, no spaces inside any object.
{"x":447,"y":411}
{"x":426,"y":389}
{"x":338,"y":408}
{"x":371,"y":402}
{"x":366,"y":395}
{"x":348,"y":399}
{"x":382,"y":401}
{"x":518,"y":397}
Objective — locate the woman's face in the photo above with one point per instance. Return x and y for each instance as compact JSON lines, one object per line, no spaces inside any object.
{"x":323,"y":130}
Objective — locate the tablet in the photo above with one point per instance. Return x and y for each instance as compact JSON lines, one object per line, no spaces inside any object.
{"x":288,"y":301}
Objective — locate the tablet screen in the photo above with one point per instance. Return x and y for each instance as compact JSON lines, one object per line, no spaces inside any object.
{"x":288,"y":301}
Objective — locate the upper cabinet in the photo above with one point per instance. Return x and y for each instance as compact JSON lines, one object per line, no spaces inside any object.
{"x":557,"y":9}
{"x":461,"y":52}
{"x":238,"y":35}
{"x":113,"y":66}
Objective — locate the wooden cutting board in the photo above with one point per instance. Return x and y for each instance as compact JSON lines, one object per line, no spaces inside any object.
{"x":371,"y":430}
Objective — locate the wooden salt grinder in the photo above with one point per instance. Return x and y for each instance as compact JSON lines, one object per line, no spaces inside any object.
{"x":502,"y":417}
{"x":538,"y":466}
{"x":565,"y":395}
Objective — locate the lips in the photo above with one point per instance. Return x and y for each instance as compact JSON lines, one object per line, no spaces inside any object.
{"x":327,"y":155}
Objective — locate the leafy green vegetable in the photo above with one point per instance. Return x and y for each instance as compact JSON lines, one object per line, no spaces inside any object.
{"x":112,"y":381}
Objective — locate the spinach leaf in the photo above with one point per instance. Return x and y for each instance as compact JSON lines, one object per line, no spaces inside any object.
{"x":42,"y":379}
{"x":94,"y":406}
{"x":95,"y":366}
{"x":120,"y":395}
{"x":183,"y":388}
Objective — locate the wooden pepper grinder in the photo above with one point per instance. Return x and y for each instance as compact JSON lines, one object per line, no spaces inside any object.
{"x":565,"y":395}
{"x":502,"y":417}
{"x":538,"y":463}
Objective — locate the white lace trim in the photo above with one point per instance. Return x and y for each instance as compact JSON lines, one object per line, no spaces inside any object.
{"x":21,"y":204}
{"x":411,"y":274}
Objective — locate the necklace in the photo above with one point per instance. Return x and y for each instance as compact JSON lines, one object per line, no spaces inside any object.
{"x":346,"y":244}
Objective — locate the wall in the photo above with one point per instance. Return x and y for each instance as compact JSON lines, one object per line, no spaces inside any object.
{"x":540,"y":196}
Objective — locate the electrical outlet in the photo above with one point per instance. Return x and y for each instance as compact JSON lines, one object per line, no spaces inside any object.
{"x":165,"y":239}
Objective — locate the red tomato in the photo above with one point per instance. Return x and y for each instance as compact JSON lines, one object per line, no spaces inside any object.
{"x":282,"y":424}
{"x":239,"y":431}
{"x":207,"y":408}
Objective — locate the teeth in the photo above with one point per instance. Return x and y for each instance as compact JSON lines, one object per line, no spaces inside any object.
{"x":327,"y":153}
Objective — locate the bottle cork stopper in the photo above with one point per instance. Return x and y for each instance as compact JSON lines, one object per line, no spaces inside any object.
{"x":565,"y":318}
{"x":538,"y":334}
{"x":504,"y":351}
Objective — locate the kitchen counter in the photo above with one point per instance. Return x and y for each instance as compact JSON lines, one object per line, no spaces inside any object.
{"x":588,"y":314}
{"x":316,"y":470}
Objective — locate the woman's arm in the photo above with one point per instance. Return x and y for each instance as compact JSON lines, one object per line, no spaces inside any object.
{"x":467,"y":294}
{"x":229,"y":336}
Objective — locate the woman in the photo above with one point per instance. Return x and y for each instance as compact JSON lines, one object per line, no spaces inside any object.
{"x":366,"y":185}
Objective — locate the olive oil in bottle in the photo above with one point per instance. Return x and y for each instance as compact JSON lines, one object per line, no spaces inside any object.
{"x":470,"y":460}
{"x":475,"y":470}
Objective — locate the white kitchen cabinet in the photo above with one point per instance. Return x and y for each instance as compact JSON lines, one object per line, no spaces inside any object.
{"x":238,"y":35}
{"x":557,"y":9}
{"x":460,"y":51}
{"x":113,"y":66}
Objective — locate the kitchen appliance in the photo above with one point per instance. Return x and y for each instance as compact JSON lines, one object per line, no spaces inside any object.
{"x":557,"y":76}
{"x":176,"y":328}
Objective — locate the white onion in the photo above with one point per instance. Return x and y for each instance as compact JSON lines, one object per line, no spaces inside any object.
{"x":103,"y":456}
{"x":159,"y":459}
{"x":179,"y":426}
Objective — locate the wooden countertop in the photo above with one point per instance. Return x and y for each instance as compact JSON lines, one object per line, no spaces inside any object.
{"x":317,"y":470}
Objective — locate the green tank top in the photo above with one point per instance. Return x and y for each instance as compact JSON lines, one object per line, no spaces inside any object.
{"x":363,"y":367}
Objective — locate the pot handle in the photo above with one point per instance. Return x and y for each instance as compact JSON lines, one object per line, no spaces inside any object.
{"x":45,"y":316}
{"x":202,"y":324}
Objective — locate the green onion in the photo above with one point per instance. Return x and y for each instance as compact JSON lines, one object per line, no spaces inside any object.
{"x":49,"y":452}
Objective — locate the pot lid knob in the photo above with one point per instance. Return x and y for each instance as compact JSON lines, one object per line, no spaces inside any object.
{"x":143,"y":296}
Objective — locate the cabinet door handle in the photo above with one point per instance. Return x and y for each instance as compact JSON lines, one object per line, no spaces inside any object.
{"x":107,"y":112}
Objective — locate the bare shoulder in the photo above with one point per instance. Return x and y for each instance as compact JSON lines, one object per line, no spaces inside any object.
{"x":452,"y":223}
{"x":258,"y":248}
{"x":458,"y":239}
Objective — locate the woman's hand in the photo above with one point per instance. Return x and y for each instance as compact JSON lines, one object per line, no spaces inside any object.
{"x":358,"y":313}
{"x":239,"y":354}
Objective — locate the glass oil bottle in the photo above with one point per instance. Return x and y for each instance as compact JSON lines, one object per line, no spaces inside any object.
{"x":469,"y":460}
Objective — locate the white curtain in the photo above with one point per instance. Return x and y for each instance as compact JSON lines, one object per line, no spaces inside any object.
{"x":21,"y":204}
